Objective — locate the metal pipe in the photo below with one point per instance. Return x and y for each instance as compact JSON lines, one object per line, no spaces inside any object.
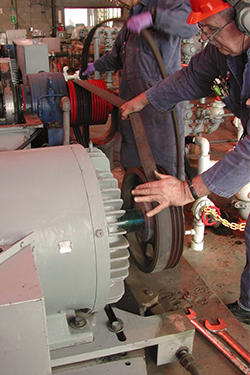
{"x":53,"y":16}
{"x":65,"y":105}
{"x":197,"y":242}
{"x":204,"y":158}
{"x":96,"y":38}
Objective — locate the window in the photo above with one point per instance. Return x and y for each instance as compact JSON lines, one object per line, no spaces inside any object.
{"x":89,"y":17}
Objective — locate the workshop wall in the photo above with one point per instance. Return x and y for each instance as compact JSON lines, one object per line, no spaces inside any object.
{"x":39,"y":14}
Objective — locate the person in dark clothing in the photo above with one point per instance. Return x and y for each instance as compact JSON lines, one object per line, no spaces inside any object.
{"x":132,"y":54}
{"x":226,"y":61}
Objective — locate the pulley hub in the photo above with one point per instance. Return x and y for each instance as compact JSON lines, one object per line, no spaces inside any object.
{"x":157,"y":243}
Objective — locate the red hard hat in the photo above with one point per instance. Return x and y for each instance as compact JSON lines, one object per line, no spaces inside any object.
{"x":202,"y":9}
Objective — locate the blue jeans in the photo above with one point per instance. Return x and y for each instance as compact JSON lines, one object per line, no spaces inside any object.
{"x":244,"y":300}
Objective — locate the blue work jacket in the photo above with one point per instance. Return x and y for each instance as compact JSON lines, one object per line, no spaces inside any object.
{"x":139,"y":71}
{"x":232,"y":172}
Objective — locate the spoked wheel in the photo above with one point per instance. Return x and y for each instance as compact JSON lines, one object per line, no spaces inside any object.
{"x":160,"y":241}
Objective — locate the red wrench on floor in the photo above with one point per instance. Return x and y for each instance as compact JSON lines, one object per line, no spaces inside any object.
{"x":218,"y":344}
{"x":221,"y":330}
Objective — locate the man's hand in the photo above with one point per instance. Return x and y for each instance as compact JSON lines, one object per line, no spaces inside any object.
{"x":90,"y":69}
{"x":140,"y":21}
{"x":166,"y":190}
{"x":134,"y":105}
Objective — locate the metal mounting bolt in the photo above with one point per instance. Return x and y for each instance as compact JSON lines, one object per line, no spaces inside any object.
{"x":116,"y":326}
{"x":78,"y":322}
{"x":149,"y":292}
{"x":188,"y":296}
{"x":99,"y":233}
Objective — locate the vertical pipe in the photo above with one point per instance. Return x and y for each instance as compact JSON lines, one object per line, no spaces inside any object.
{"x":204,"y":158}
{"x":53,"y":16}
{"x":65,"y":105}
{"x":97,"y":50}
{"x":197,"y":242}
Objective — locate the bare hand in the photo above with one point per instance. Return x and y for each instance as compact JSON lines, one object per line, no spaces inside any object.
{"x":167,"y":191}
{"x":134,"y":105}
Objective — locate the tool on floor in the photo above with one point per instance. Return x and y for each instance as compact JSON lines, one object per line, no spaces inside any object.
{"x":218,"y":344}
{"x":221,"y":330}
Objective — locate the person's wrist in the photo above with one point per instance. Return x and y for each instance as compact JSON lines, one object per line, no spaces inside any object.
{"x":191,"y":189}
{"x":153,"y":14}
{"x":149,"y":18}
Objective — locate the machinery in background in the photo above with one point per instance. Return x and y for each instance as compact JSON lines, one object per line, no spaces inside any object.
{"x":33,"y":89}
{"x":37,"y":104}
{"x":72,"y":47}
{"x":49,"y":59}
{"x":203,"y":117}
{"x":24,"y":108}
{"x":16,"y":125}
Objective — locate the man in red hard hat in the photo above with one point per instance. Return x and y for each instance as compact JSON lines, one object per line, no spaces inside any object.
{"x":204,"y":9}
{"x":222,"y":66}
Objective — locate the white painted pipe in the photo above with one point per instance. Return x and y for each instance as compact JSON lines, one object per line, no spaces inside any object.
{"x":197,"y":242}
{"x":204,"y":158}
{"x":65,"y":105}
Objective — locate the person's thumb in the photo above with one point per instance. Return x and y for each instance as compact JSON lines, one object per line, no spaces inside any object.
{"x":159,"y":176}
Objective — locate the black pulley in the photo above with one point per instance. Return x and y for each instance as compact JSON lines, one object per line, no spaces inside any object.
{"x":159,"y":243}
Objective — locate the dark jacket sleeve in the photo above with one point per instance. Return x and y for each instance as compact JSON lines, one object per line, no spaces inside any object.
{"x":170,"y":17}
{"x":111,"y":61}
{"x":189,"y":83}
{"x":232,"y":172}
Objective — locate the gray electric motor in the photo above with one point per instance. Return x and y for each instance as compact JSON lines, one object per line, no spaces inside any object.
{"x":66,"y":196}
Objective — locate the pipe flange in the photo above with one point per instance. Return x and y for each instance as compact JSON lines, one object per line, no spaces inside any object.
{"x":199,"y":204}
